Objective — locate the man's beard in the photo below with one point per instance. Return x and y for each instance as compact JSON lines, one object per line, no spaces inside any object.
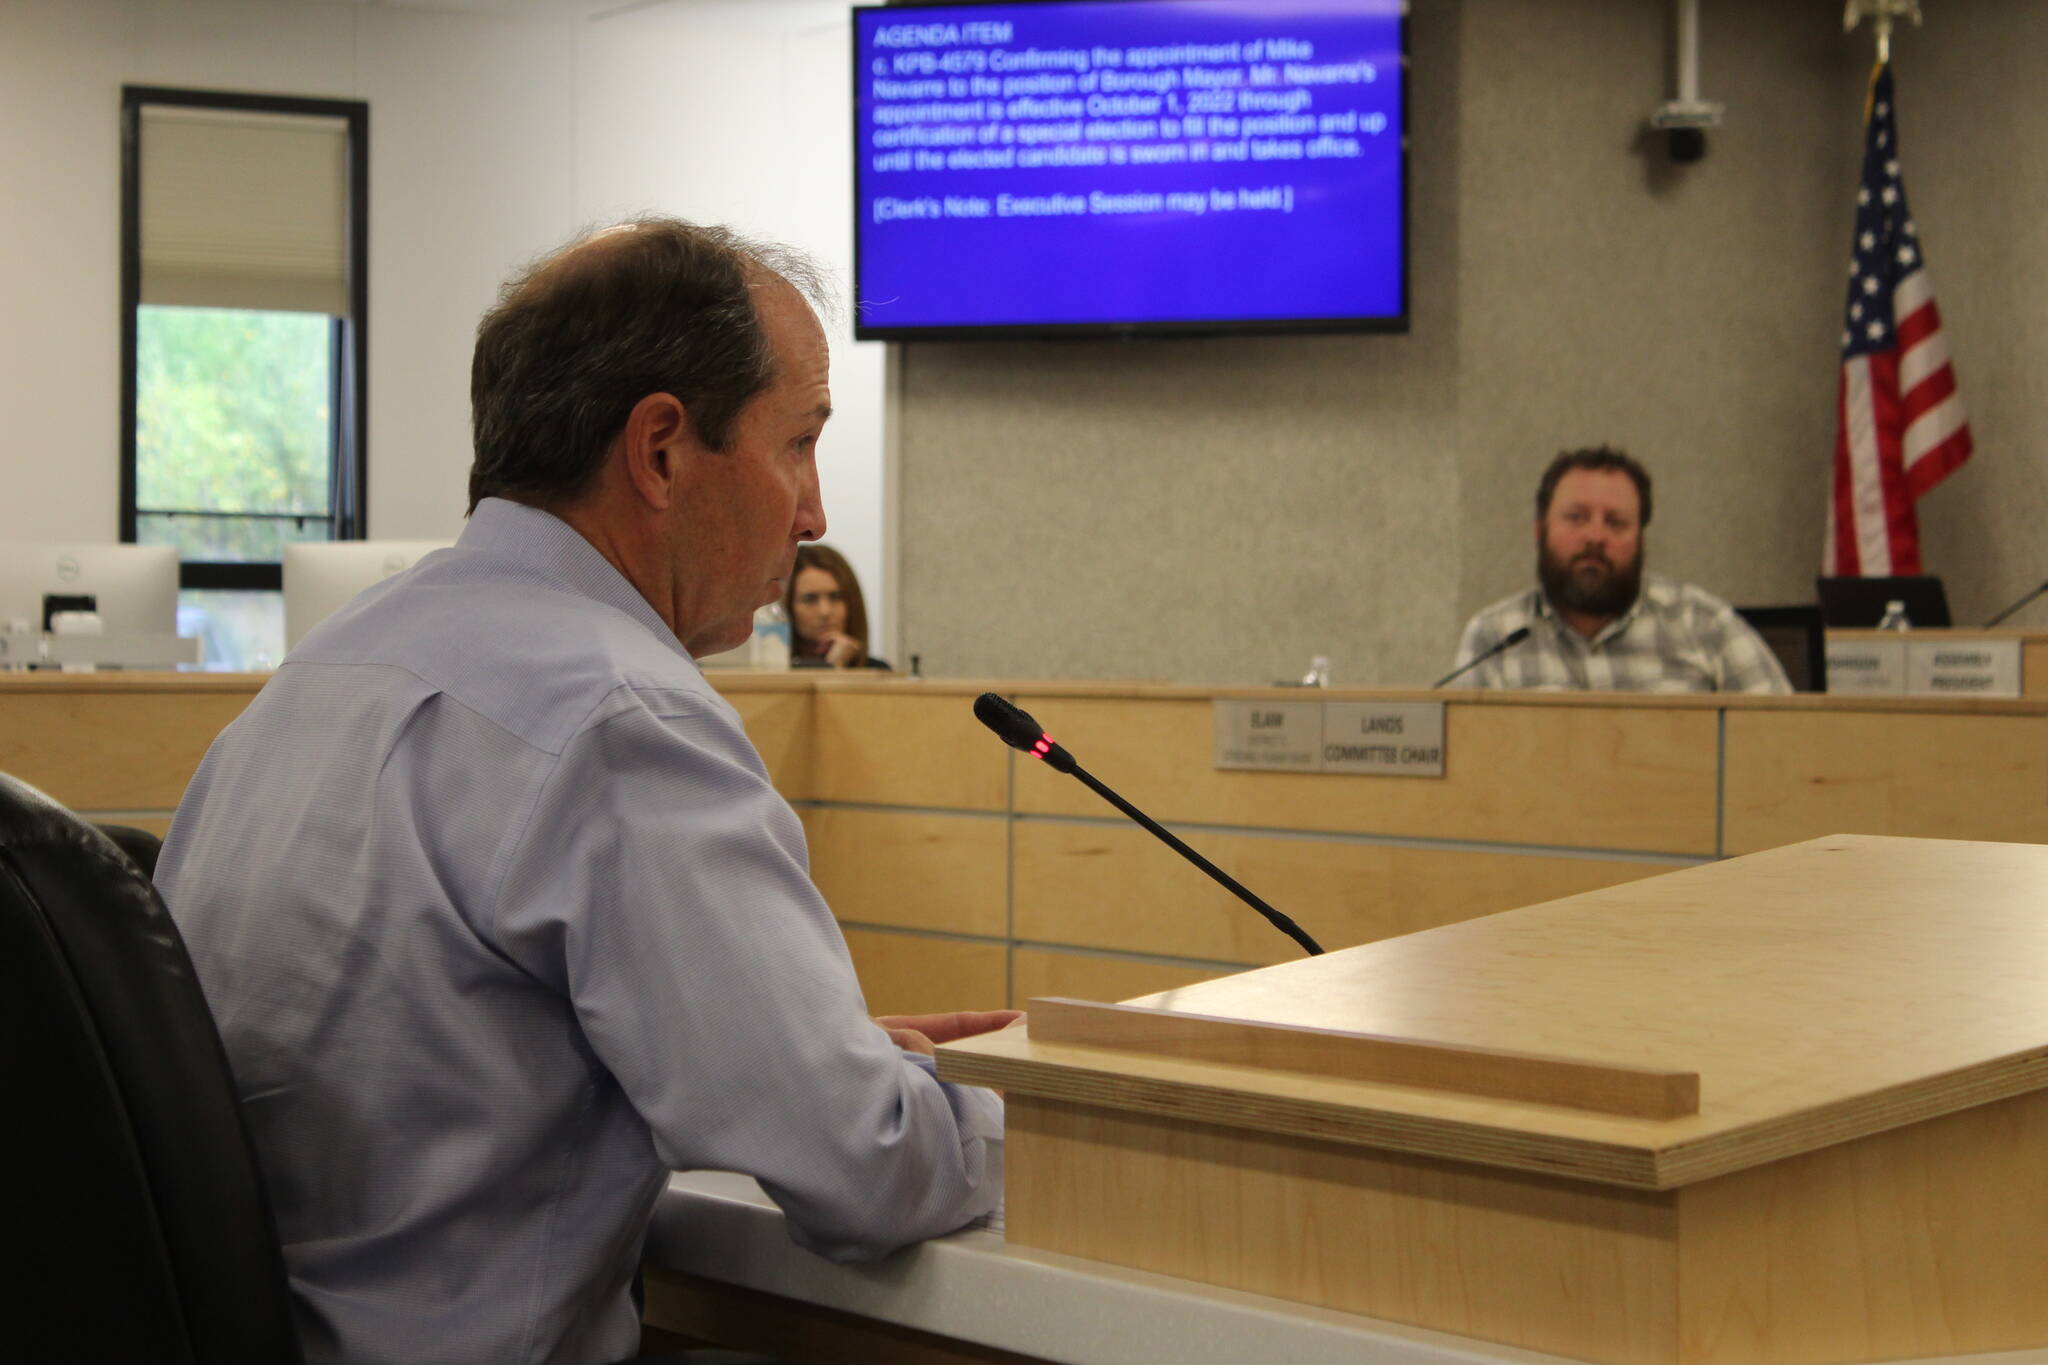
{"x":1607,"y":595}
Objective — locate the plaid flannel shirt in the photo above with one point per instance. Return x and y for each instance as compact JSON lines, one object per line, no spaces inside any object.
{"x":1676,"y":638}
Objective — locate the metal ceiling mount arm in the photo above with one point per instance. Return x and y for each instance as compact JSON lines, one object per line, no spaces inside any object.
{"x":1686,"y":117}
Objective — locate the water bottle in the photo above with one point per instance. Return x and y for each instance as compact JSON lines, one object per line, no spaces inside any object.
{"x":1318,"y":674}
{"x":770,"y":646}
{"x":1894,"y":616}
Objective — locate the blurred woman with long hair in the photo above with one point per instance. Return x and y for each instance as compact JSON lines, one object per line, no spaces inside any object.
{"x":828,"y":618}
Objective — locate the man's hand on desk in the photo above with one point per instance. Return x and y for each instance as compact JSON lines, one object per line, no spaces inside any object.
{"x":922,"y":1032}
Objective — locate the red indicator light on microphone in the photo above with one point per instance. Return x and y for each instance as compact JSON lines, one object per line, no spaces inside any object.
{"x":1043,"y":746}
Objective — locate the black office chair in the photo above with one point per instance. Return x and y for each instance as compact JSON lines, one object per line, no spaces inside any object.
{"x":139,"y":844}
{"x":140,"y":1219}
{"x":1798,"y":638}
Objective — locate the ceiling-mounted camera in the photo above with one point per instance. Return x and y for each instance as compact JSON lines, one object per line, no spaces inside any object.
{"x":1685,"y":124}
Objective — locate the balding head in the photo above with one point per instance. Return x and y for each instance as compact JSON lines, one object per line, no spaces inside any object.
{"x":656,"y":305}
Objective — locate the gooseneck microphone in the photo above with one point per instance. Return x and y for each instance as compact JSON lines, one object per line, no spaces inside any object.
{"x":1507,"y":642}
{"x":2015,"y":606}
{"x":1018,"y":730}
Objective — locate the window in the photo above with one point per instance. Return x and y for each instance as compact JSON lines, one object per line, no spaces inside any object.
{"x":243,"y":281}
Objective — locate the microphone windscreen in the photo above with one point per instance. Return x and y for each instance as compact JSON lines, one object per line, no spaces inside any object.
{"x":1012,"y":725}
{"x":1515,"y":637}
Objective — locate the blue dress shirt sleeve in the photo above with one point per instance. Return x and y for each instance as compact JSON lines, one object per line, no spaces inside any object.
{"x":661,"y":884}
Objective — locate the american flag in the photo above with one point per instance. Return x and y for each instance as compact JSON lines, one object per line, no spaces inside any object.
{"x":1899,"y":424}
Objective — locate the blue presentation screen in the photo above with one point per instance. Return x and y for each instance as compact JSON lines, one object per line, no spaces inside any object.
{"x":1119,"y":165}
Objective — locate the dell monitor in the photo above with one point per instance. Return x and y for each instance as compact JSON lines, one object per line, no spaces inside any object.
{"x":321,"y":576}
{"x":133,"y":588}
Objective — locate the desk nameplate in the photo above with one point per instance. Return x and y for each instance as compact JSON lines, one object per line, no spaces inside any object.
{"x":1866,"y":667}
{"x":1388,"y":739}
{"x":1381,"y":739}
{"x":1963,"y":668}
{"x":1269,"y":736}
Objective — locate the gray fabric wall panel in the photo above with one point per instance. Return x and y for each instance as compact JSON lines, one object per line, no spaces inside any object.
{"x":1219,"y":510}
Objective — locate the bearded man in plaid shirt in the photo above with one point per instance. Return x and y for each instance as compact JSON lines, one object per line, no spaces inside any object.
{"x":1595,"y":620}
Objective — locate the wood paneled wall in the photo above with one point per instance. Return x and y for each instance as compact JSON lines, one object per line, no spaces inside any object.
{"x":955,"y":863}
{"x":967,"y":876}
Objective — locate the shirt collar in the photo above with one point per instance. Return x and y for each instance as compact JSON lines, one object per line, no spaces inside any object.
{"x":558,"y":552}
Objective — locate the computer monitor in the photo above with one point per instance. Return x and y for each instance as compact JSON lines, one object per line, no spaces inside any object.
{"x":1798,"y":639}
{"x":134,"y":588}
{"x":1859,"y":603}
{"x":321,"y":576}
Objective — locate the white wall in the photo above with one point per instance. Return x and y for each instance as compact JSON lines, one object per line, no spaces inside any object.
{"x":491,"y":139}
{"x":59,"y":258}
{"x":737,"y":111}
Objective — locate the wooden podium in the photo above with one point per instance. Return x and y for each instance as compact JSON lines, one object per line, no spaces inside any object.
{"x":1788,"y":1107}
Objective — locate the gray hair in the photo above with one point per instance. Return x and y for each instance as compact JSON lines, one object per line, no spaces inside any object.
{"x":654,"y":305}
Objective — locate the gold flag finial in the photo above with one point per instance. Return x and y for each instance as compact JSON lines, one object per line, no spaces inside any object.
{"x":1881,"y":12}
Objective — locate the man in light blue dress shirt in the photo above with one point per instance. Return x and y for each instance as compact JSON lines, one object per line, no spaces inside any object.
{"x":491,"y":897}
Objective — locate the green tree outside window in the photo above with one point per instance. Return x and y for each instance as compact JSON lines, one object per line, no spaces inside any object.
{"x":233,"y":414}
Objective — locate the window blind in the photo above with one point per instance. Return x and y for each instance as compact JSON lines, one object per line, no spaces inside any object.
{"x":244,"y":210}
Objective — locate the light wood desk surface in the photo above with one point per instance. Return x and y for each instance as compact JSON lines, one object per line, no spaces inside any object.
{"x":1821,"y":992}
{"x":1868,"y":1018}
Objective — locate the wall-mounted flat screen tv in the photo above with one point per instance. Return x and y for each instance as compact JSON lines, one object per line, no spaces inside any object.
{"x":1130,"y":167}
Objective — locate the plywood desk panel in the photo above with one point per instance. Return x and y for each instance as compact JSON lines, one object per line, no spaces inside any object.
{"x":1586,"y":773}
{"x":1538,"y":1262}
{"x":1798,"y":774}
{"x":1115,"y":886}
{"x":910,"y":869}
{"x":1918,"y":1241}
{"x":922,"y":974}
{"x":904,"y":744}
{"x":776,"y":710}
{"x":2034,"y":668}
{"x":115,"y":742}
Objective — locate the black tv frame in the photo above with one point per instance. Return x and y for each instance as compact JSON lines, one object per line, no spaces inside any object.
{"x":1398,"y":323}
